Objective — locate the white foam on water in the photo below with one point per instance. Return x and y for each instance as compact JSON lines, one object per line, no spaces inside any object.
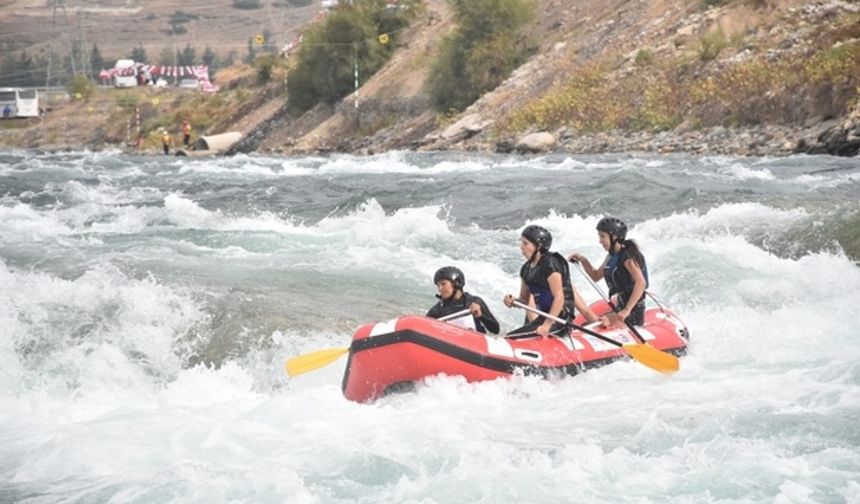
{"x":100,"y":402}
{"x":249,"y":167}
{"x":386,"y":163}
{"x":741,"y":172}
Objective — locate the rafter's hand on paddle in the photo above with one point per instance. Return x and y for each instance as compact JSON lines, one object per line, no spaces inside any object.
{"x":612,"y":321}
{"x":544,"y":329}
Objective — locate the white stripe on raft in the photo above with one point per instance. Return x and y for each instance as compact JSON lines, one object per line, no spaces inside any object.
{"x":646,"y":334}
{"x":499,"y":346}
{"x":383,"y":327}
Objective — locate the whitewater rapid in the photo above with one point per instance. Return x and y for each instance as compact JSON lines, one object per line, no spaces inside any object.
{"x":147,"y":305}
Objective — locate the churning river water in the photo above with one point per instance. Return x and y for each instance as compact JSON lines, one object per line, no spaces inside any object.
{"x":147,"y":305}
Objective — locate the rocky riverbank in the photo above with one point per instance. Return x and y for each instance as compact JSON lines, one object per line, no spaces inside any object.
{"x":782,"y":81}
{"x":745,"y":78}
{"x":834,"y":137}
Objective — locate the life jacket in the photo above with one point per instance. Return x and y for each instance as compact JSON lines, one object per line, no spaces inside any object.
{"x":536,"y":277}
{"x":618,"y":277}
{"x":448,"y":306}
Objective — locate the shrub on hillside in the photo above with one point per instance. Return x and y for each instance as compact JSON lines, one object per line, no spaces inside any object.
{"x":182,"y":17}
{"x":644,"y":57}
{"x":481,"y":53}
{"x":265,"y":65}
{"x":836,"y":64}
{"x":587,"y":102}
{"x":391,"y":18}
{"x":80,"y":87}
{"x":177,"y":21}
{"x":658,"y":106}
{"x":712,"y":44}
{"x":127,"y":100}
{"x":247,"y":4}
{"x":325,"y":69}
{"x":755,"y":90}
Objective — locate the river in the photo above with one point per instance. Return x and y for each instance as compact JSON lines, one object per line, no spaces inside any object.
{"x":147,"y":305}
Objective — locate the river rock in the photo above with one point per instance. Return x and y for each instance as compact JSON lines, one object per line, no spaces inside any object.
{"x":464,"y":128}
{"x":838,"y":140}
{"x":536,"y":142}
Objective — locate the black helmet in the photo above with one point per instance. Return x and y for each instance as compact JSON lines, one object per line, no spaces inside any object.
{"x":539,"y":236}
{"x":457,"y":278}
{"x":613,"y":226}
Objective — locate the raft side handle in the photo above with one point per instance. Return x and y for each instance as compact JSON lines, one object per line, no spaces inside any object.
{"x":528,"y":355}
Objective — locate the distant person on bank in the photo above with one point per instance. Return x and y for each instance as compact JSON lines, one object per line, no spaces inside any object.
{"x":166,"y":141}
{"x":186,"y":133}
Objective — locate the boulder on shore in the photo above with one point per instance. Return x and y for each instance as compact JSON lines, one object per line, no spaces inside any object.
{"x":465,"y":128}
{"x":536,"y":142}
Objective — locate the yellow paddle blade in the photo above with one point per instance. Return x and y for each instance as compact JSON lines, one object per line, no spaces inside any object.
{"x":313,"y":360}
{"x":653,"y":358}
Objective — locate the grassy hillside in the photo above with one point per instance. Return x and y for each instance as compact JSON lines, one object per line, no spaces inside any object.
{"x":768,"y":73}
{"x":711,"y":77}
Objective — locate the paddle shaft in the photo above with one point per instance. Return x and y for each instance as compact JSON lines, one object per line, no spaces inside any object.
{"x":643,"y":353}
{"x":452,"y":316}
{"x":571,"y":324}
{"x":608,"y":301}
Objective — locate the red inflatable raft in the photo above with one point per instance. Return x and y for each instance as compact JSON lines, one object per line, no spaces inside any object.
{"x":391,"y":356}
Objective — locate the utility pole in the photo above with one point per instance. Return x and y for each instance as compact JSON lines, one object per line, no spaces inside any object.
{"x":355,"y":58}
{"x":51,"y":45}
{"x":175,"y":70}
{"x":68,"y":37}
{"x":56,"y":5}
{"x":86,"y":65}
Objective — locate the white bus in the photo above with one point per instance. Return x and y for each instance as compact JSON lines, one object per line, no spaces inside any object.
{"x":129,"y":80}
{"x":20,"y":102}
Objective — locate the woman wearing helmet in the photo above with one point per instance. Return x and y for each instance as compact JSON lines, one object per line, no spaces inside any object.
{"x":624,"y":270}
{"x":545,"y":277}
{"x":450,"y":282}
